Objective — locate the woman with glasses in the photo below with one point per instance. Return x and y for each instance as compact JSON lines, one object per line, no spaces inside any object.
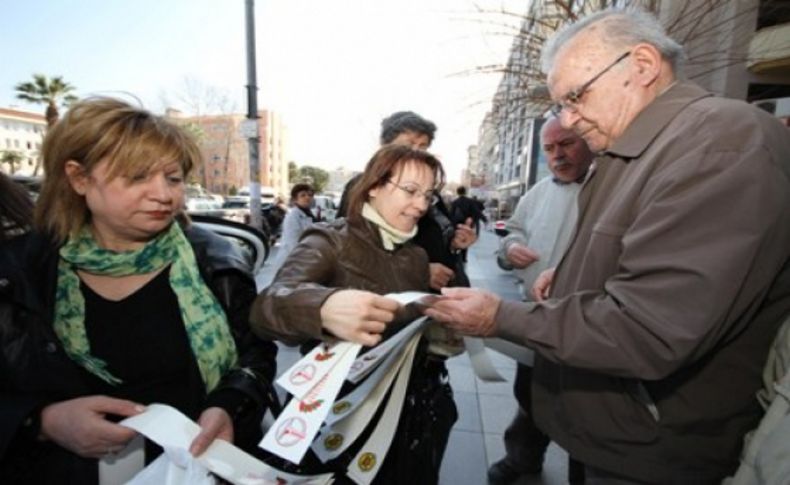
{"x":331,"y":287}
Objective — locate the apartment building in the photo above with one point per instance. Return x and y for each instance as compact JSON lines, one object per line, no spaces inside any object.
{"x":21,"y":132}
{"x":735,"y":49}
{"x":225,"y":151}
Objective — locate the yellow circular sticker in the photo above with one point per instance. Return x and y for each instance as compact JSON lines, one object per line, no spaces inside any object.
{"x":333,"y":441}
{"x":341,"y":407}
{"x":367,"y":461}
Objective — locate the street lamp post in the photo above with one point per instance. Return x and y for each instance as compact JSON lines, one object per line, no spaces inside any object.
{"x":253,"y":139}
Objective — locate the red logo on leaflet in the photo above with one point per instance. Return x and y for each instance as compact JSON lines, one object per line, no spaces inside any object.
{"x":325,"y":355}
{"x":307,"y":407}
{"x":291,"y":431}
{"x":302,"y":374}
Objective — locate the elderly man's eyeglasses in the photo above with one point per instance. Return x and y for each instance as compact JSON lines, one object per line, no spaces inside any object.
{"x":570,"y":102}
{"x":413,"y":191}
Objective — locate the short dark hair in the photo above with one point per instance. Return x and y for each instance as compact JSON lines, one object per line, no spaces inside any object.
{"x":384,"y":164}
{"x":461,"y":190}
{"x":300,"y":188}
{"x":404,"y":121}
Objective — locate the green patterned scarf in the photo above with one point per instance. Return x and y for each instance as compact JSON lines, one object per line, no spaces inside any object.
{"x":204,"y":319}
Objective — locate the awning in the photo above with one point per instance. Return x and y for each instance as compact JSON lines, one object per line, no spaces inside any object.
{"x":769,"y":50}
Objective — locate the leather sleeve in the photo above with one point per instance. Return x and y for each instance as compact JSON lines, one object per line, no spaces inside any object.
{"x":290,"y":309}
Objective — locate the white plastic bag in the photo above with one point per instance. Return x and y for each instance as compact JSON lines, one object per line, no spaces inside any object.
{"x":174,"y":467}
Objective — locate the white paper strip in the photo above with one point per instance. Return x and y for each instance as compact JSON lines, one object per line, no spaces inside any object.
{"x":518,"y":353}
{"x":366,"y":464}
{"x":294,"y":430}
{"x":368,"y":361}
{"x":418,"y":297}
{"x":481,"y":361}
{"x":310,"y":369}
{"x":169,"y":428}
{"x":337,"y":437}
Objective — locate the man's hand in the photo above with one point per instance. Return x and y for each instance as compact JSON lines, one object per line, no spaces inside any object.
{"x":440,"y":275}
{"x":464,"y":235}
{"x":520,"y":256}
{"x":467,"y":311}
{"x":215,"y":423}
{"x":358,"y":316}
{"x":79,"y":425}
{"x":542,"y":286}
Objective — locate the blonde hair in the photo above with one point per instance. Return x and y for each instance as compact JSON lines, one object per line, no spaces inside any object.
{"x":132,"y":140}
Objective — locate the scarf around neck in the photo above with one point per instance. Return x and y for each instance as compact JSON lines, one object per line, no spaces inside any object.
{"x":206,"y":324}
{"x":390,"y":236}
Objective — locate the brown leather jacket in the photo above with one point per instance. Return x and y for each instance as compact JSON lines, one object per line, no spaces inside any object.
{"x":328,"y":258}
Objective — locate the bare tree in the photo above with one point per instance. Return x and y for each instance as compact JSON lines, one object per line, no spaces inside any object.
{"x":204,"y":104}
{"x":713,"y":31}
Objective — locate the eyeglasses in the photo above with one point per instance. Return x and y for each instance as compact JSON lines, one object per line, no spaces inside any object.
{"x":414,"y":192}
{"x":571,"y":101}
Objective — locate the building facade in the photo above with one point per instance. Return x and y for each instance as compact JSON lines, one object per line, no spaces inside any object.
{"x":735,"y":49}
{"x":225,"y":151}
{"x":21,"y":133}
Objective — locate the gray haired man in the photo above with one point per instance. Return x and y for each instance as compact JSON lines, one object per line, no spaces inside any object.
{"x":659,"y":316}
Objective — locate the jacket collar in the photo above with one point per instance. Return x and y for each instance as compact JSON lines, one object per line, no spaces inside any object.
{"x":654,"y":118}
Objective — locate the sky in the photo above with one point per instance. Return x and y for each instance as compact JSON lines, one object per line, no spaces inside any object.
{"x":333,"y":69}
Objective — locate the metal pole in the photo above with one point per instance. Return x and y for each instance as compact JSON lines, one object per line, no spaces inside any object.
{"x":252,"y":114}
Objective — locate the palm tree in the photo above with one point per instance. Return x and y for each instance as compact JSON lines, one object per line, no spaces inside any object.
{"x":12,"y":158}
{"x":51,"y":92}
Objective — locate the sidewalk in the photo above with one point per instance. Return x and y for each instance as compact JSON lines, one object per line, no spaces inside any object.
{"x":484,"y":409}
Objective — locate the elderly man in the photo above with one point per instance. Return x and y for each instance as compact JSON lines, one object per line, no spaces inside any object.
{"x":660,"y":314}
{"x":539,"y":231}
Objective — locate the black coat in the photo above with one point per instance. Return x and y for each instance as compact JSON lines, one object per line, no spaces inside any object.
{"x":435,"y":234}
{"x":35,"y":370}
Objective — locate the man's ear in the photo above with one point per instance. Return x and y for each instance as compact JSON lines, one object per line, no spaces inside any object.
{"x":648,"y":64}
{"x":77,"y":175}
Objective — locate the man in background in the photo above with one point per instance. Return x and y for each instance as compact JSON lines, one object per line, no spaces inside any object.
{"x":538,"y":233}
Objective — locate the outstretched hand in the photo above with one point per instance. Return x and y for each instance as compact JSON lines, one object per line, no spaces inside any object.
{"x":80,"y":425}
{"x":215,"y":423}
{"x":464,"y":235}
{"x":358,"y":316}
{"x":441,"y":275}
{"x":520,"y":256}
{"x":466,"y":310}
{"x":542,"y":286}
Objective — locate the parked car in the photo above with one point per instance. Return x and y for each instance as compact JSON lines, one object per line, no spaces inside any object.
{"x":254,"y":243}
{"x":268,"y":194}
{"x":237,"y":208}
{"x":324,"y":208}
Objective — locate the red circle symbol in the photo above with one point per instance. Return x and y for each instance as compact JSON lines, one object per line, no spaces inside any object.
{"x":302,"y":374}
{"x":291,"y":431}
